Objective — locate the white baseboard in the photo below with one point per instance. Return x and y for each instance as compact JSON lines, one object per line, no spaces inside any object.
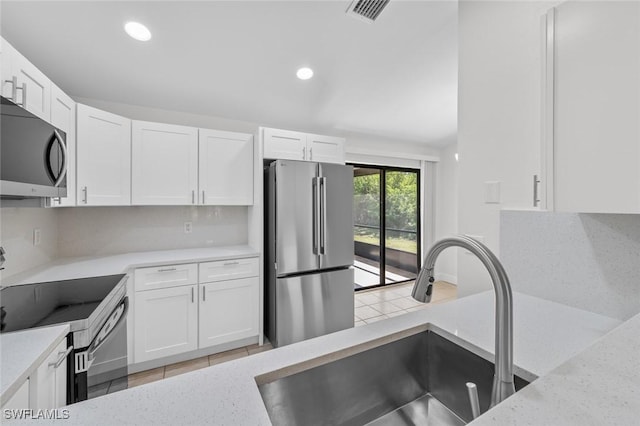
{"x":453,"y":279}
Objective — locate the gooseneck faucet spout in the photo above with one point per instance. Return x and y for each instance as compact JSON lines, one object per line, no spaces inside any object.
{"x":503,"y":377}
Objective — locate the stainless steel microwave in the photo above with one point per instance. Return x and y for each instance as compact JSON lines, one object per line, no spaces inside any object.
{"x":33,"y":155}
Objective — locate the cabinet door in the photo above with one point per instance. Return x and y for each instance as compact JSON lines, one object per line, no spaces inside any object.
{"x":32,"y":88}
{"x":103,"y":158}
{"x":6,"y":72}
{"x":597,"y":107}
{"x":165,"y":322}
{"x":325,"y":149}
{"x":51,"y":377}
{"x":164,"y":164}
{"x":284,"y":144}
{"x":226,"y":168}
{"x":228,"y":311}
{"x":63,"y":116}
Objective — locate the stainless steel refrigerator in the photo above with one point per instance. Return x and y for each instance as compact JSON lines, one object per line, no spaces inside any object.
{"x":309,"y":250}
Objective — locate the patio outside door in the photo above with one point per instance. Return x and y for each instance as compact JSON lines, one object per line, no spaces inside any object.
{"x":386,"y":225}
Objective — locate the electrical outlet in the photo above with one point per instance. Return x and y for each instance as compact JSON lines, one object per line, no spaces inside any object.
{"x":188,"y":227}
{"x":37,"y":236}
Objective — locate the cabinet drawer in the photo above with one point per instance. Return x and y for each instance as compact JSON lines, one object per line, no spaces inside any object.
{"x":229,"y":269}
{"x":165,"y":276}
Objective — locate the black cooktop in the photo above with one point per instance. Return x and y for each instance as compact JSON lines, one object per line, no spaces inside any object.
{"x":54,"y":302}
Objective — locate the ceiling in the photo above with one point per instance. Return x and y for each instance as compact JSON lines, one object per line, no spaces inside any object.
{"x":395,"y":78}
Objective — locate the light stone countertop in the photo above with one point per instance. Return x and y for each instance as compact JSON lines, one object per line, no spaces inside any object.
{"x":22,"y":352}
{"x":599,"y":386}
{"x":83,"y":267}
{"x":546,"y":335}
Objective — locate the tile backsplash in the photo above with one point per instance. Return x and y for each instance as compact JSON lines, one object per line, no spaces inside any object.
{"x":16,"y":236}
{"x":95,"y":231}
{"x":90,"y":231}
{"x":589,"y":261}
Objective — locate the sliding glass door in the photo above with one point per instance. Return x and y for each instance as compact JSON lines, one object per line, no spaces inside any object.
{"x":386,"y":218}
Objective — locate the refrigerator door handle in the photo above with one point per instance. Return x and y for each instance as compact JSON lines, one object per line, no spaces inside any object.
{"x":323,"y":215}
{"x":316,"y":215}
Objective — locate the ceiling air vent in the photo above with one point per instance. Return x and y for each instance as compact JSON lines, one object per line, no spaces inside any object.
{"x":367,"y":10}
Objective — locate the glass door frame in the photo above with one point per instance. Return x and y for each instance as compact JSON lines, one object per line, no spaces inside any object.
{"x":383,"y":225}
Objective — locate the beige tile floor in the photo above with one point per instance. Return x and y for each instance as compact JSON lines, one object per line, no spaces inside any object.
{"x":370,"y":306}
{"x":386,"y":302}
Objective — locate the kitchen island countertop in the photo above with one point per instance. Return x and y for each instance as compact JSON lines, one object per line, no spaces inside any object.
{"x":546,"y":334}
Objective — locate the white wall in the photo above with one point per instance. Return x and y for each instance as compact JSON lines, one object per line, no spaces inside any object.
{"x":16,"y":236}
{"x":589,"y":261}
{"x":446,"y":213}
{"x":499,"y":118}
{"x":89,"y":231}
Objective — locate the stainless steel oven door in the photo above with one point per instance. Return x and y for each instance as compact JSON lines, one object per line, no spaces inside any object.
{"x":107,"y":354}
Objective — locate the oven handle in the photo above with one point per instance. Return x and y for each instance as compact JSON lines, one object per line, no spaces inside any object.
{"x":93,"y":347}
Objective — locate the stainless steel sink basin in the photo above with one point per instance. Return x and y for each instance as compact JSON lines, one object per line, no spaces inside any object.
{"x":420,"y":379}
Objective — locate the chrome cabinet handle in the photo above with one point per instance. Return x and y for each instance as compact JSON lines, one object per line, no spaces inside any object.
{"x":193,"y":196}
{"x":304,"y":151}
{"x":310,"y":153}
{"x":61,"y":358}
{"x":204,"y":294}
{"x":192,"y":296}
{"x":167,"y":269}
{"x":231,"y":263}
{"x":24,"y":95}
{"x":14,"y":88}
{"x":63,"y":148}
{"x":203,"y":197}
{"x":86,"y":196}
{"x":536,"y":200}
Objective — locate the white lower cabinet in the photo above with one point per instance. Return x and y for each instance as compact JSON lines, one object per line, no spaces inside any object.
{"x":51,"y":376}
{"x":228,"y":311}
{"x":165,"y":322}
{"x":46,"y":386}
{"x":174,"y":315}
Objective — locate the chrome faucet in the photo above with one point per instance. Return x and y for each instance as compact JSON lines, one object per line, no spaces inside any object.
{"x":503,"y":377}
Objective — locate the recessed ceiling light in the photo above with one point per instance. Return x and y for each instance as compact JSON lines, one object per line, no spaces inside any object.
{"x":137,"y":31}
{"x":304,"y":73}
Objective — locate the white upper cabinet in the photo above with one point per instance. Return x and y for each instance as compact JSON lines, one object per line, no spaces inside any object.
{"x":63,"y":116}
{"x":164,"y":164}
{"x":596,"y":107}
{"x":226,"y":168}
{"x":25,"y":84}
{"x":288,"y":145}
{"x":103,"y":157}
{"x":284,"y":144}
{"x":325,"y":149}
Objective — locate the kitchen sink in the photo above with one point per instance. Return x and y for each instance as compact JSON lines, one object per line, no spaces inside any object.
{"x":418,"y":379}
